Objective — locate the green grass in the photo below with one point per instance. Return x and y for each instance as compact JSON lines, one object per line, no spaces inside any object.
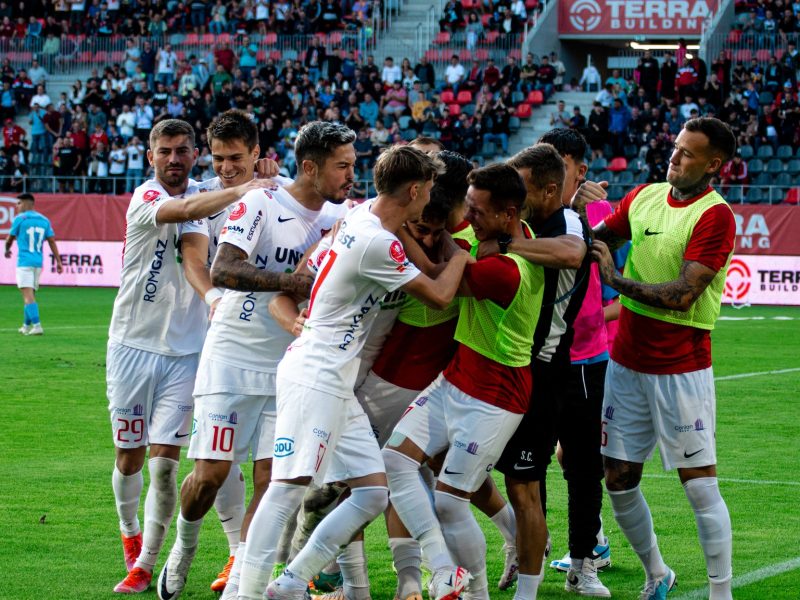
{"x":56,"y":458}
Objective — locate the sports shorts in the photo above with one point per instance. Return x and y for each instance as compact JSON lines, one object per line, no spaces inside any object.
{"x":473,"y":432}
{"x":149,"y":396}
{"x":384,"y":404}
{"x":28,"y":277}
{"x":322,"y":436}
{"x":677,"y":412}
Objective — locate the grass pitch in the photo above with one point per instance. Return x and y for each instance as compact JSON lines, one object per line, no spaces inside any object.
{"x":58,"y":526}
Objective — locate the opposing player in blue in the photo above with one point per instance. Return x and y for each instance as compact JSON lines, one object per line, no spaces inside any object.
{"x":30,"y":229}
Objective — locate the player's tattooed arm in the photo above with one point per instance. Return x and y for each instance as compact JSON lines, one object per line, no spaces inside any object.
{"x":611,"y":239}
{"x":678,"y":294}
{"x":232,"y":271}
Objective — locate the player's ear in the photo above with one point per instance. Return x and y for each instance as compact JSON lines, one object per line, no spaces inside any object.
{"x":150,"y":156}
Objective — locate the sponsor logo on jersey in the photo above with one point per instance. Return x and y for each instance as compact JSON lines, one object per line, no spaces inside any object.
{"x":396,"y":252}
{"x":609,"y":413}
{"x":421,"y":401}
{"x":150,"y":196}
{"x":233,"y":419}
{"x":288,"y":256}
{"x":232,"y":229}
{"x":469,"y":447}
{"x":253,"y":227}
{"x":185,"y":407}
{"x":238,"y":212}
{"x":344,"y":238}
{"x":698,"y":425}
{"x":151,"y":285}
{"x":320,"y":455}
{"x":138,"y":410}
{"x":322,"y":434}
{"x":223,"y":418}
{"x":315,"y":265}
{"x":248,"y":307}
{"x":684,"y":428}
{"x":350,"y":334}
{"x":283,"y":447}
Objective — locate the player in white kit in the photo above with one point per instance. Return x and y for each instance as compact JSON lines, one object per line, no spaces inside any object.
{"x":321,"y":432}
{"x":262,"y":240}
{"x":156,"y":333}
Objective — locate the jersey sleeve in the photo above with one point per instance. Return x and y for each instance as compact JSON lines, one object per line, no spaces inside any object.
{"x":50,"y":233}
{"x":573,"y":224}
{"x":15,"y":226}
{"x":712,"y":238}
{"x":319,"y":254}
{"x":618,"y":222}
{"x":196,"y":226}
{"x":245,"y":222}
{"x":494,"y":278}
{"x":385,"y":262}
{"x":146,"y":201}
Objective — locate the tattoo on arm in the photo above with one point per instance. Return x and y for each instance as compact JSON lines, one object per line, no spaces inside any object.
{"x":678,"y":294}
{"x":232,"y":271}
{"x":604,"y":234}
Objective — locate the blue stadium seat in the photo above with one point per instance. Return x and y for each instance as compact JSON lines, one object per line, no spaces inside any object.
{"x":784,"y":180}
{"x":746,"y":152}
{"x":793,"y":168}
{"x":598,"y":164}
{"x":514,"y":124}
{"x":404,"y":121}
{"x":625,"y":178}
{"x":774,"y":166}
{"x":785,"y":152}
{"x":755,"y":166}
{"x":754,"y":195}
{"x":763,"y":179}
{"x":636,"y":165}
{"x":765,"y":152}
{"x":734,"y":195}
{"x":488,"y":150}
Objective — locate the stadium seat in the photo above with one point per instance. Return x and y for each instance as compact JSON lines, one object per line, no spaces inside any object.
{"x":636,"y":165}
{"x":734,"y":195}
{"x":468,"y":109}
{"x":261,"y":56}
{"x":755,"y":166}
{"x":408,"y":134}
{"x":631,"y":151}
{"x":335,"y":38}
{"x":766,"y":99}
{"x":432,"y":55}
{"x":531,"y":4}
{"x":464,"y":97}
{"x":404,"y":121}
{"x":765,"y":152}
{"x":523,"y":111}
{"x":763,"y":179}
{"x":465,"y":55}
{"x":784,"y":180}
{"x":618,"y":163}
{"x":792,"y":196}
{"x":481,"y":54}
{"x":514,"y":124}
{"x":598,"y":164}
{"x":455,"y":109}
{"x":490,"y":37}
{"x":641,"y":177}
{"x":624,"y":178}
{"x":604,"y":176}
{"x":271,"y":39}
{"x":488,"y":150}
{"x":754,"y":195}
{"x":442,"y":38}
{"x":447,"y":97}
{"x":207,"y":39}
{"x":793,"y":168}
{"x":290,"y":54}
{"x":616,"y":192}
{"x":785,"y":152}
{"x":763,"y":55}
{"x":774,"y":166}
{"x":535,"y":98}
{"x":192,"y":39}
{"x":746,"y":152}
{"x":275,"y":55}
{"x":517,"y":97}
{"x":744,"y":55}
{"x":734,"y":35}
{"x":485,"y":18}
{"x":469,"y":4}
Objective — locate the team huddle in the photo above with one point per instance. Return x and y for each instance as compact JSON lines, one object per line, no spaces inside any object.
{"x":385,"y":358}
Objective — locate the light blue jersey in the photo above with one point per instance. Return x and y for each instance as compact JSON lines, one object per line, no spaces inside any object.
{"x":31,"y":230}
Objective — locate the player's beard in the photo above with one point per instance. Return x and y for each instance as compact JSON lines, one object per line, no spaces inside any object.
{"x":338,"y":196}
{"x":173,"y":178}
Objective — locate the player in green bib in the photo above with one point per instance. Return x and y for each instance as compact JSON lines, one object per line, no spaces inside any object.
{"x":660,"y":385}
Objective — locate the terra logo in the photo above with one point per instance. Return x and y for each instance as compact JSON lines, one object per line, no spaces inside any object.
{"x":238,"y":212}
{"x":284,"y":447}
{"x":8,"y":210}
{"x":737,"y":284}
{"x":585,"y":15}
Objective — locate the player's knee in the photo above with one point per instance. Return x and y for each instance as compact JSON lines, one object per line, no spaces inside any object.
{"x":523,"y":495}
{"x":450,"y":507}
{"x":397,"y":462}
{"x":319,"y":498}
{"x":372,"y":500}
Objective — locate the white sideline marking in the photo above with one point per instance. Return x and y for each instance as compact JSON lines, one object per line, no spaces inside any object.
{"x":747,"y":578}
{"x":775,"y":318}
{"x":728,"y":480}
{"x":756,"y":374}
{"x":60,"y":327}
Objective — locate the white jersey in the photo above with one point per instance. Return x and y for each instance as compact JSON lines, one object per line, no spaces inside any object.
{"x":274,"y":230}
{"x":364,"y":262}
{"x":217,"y":222}
{"x":156,"y":309}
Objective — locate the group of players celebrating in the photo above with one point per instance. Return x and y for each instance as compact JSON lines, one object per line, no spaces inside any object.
{"x":387,"y":357}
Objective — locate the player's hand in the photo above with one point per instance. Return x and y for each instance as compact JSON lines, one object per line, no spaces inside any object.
{"x":299,"y":322}
{"x":213,"y":309}
{"x":255,"y":184}
{"x":266,"y":168}
{"x":605,"y":262}
{"x":588,"y":191}
{"x":487,"y":248}
{"x":59,"y":268}
{"x":7,"y":254}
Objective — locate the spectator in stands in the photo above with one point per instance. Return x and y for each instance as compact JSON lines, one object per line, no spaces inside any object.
{"x":597,"y":132}
{"x":453,"y":16}
{"x":605,"y":96}
{"x":17,"y":174}
{"x":474,"y":30}
{"x":69,"y":164}
{"x":38,"y":134}
{"x":454,"y":74}
{"x":618,"y":118}
{"x":560,"y":118}
{"x":528,"y":72}
{"x":8,"y":106}
{"x":561,"y":70}
{"x":13,"y":136}
{"x":38,"y":74}
{"x":669,"y":74}
{"x":426,"y":73}
{"x":649,"y":75}
{"x":314,"y":59}
{"x":577,"y":121}
{"x":545,"y":77}
{"x":370,"y":110}
{"x":391,"y":72}
{"x":734,"y":173}
{"x":590,"y":78}
{"x":491,"y":75}
{"x":134,"y":172}
{"x":509,"y":23}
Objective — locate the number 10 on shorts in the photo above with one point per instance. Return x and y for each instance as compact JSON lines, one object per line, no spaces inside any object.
{"x":223,"y":439}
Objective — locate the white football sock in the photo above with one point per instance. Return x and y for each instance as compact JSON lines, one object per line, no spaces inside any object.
{"x":127,"y":491}
{"x":413,"y":505}
{"x":407,"y":559}
{"x":188,"y":532}
{"x":159,"y":508}
{"x":634,"y":520}
{"x":714,"y":531}
{"x":276,"y":507}
{"x":235,"y":575}
{"x":528,"y":586}
{"x":601,"y":535}
{"x":230,"y":506}
{"x":353,"y":562}
{"x":465,"y":539}
{"x":337,"y":529}
{"x":506,"y":523}
{"x":284,"y":551}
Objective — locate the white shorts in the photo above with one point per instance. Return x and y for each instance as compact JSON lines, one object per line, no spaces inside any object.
{"x":215,"y":377}
{"x":230,"y":426}
{"x":322,"y":436}
{"x":676,"y":411}
{"x":473,"y":432}
{"x":384,"y":404}
{"x":28,"y":277}
{"x":149,"y":396}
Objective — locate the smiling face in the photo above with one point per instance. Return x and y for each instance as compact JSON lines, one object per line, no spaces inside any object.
{"x":172,"y":159}
{"x":426,"y":233}
{"x":487,"y":222}
{"x":233,"y":163}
